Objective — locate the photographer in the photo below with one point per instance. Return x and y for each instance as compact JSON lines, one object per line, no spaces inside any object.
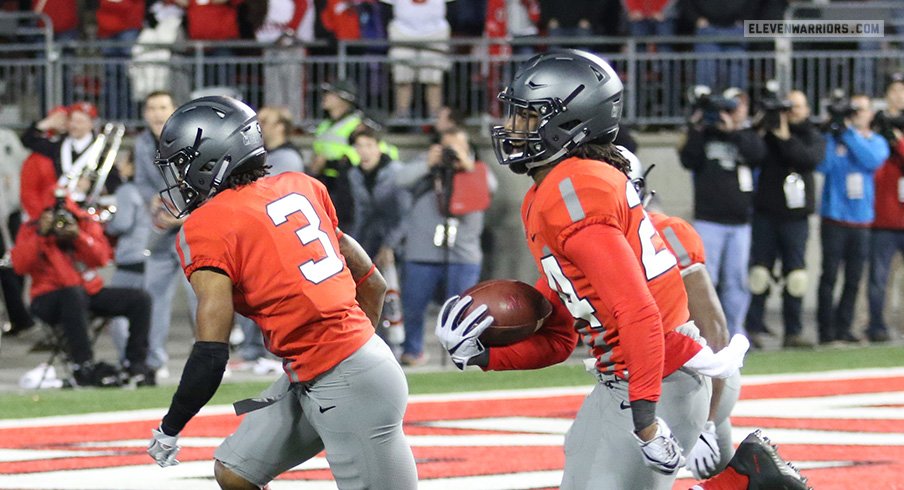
{"x":853,"y":154}
{"x":60,"y":250}
{"x":783,"y":200}
{"x":720,"y":150}
{"x":887,"y":237}
{"x":450,"y":191}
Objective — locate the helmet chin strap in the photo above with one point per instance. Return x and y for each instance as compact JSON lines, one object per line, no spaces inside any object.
{"x":218,"y":178}
{"x":562,"y":151}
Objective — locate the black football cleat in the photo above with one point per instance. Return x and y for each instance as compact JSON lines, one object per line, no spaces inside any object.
{"x":757,"y":459}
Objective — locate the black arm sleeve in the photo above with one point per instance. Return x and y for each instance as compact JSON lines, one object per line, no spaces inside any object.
{"x":200,"y":380}
{"x":34,"y":140}
{"x":644,"y":414}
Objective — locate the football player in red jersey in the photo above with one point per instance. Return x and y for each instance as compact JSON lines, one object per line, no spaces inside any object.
{"x":269,"y":249}
{"x":602,"y":264}
{"x":712,"y":450}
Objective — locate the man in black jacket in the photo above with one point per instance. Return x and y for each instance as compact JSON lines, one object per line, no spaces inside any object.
{"x":784,"y":199}
{"x":721,"y":156}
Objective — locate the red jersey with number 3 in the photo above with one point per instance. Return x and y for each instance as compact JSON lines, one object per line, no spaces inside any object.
{"x":276,"y":239}
{"x":582,"y":200}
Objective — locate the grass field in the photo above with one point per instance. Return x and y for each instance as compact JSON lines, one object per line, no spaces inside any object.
{"x":47,"y":403}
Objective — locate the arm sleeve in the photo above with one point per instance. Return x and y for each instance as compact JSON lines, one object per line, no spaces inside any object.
{"x":553,"y":342}
{"x":91,"y":246}
{"x":27,"y":250}
{"x":751,"y":147}
{"x":802,"y":153}
{"x":124,"y":217}
{"x":301,"y":7}
{"x":866,"y":153}
{"x":35,"y":141}
{"x":829,"y":159}
{"x":412,"y":173}
{"x":692,"y":153}
{"x":629,"y":301}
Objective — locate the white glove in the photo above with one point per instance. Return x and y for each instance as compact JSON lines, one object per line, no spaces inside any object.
{"x":705,"y":454}
{"x":163,"y":448}
{"x":460,"y":336}
{"x":662,"y":453}
{"x":723,"y":364}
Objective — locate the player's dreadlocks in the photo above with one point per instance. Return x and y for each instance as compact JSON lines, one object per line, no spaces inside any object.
{"x":235,"y":181}
{"x":606,"y":152}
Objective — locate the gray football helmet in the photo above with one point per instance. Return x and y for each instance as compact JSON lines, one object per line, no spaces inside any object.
{"x":573,"y":95}
{"x":203,"y":143}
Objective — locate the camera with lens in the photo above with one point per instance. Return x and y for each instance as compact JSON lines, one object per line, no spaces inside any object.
{"x":711,"y":106}
{"x":449,"y":157}
{"x":886,"y":126}
{"x":771,"y":107}
{"x":840,"y":108}
{"x":62,"y":217}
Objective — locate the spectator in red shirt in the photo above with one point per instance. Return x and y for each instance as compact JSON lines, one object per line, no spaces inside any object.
{"x":64,"y":17}
{"x":214,"y":20}
{"x":340,"y":18}
{"x":118,"y":21}
{"x":651,"y":18}
{"x":60,"y":251}
{"x":887,"y":237}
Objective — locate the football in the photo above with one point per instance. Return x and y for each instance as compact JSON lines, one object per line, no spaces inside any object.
{"x":517,"y":308}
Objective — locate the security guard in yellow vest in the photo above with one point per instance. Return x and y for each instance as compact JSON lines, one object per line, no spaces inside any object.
{"x":332,"y":153}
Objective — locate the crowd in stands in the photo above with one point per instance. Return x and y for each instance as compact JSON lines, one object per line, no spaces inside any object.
{"x":419,"y":30}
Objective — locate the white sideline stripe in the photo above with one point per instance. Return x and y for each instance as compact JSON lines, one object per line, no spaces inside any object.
{"x":864,"y":406}
{"x":477,"y":440}
{"x":157,"y":413}
{"x":197,"y":476}
{"x":822,"y":437}
{"x":9,"y":455}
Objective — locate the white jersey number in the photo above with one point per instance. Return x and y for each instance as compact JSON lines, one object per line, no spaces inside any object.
{"x":315,"y":271}
{"x":655,"y":262}
{"x":579,"y":307}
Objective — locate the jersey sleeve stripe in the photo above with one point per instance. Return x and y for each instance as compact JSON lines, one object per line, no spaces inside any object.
{"x":572,"y":204}
{"x":183,"y":245}
{"x":684,"y":259}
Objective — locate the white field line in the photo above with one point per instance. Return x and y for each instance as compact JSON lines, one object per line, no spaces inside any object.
{"x":157,"y":413}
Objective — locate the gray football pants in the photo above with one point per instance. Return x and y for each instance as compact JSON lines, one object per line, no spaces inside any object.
{"x":600,"y":450}
{"x":354,"y":411}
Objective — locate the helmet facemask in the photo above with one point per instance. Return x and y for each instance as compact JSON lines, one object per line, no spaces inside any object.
{"x":519,"y":143}
{"x":179,"y":196}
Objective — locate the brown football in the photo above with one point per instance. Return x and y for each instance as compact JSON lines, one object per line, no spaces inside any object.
{"x":517,"y":308}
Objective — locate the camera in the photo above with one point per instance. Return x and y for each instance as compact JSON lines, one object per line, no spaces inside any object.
{"x":771,"y":107}
{"x":885,"y":125}
{"x":840,"y":108}
{"x":62,"y":217}
{"x":702,"y":99}
{"x":449,"y":157}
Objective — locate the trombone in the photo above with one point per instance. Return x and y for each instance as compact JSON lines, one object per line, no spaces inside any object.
{"x":85,"y":183}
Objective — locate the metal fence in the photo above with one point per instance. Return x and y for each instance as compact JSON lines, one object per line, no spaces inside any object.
{"x":657,"y":73}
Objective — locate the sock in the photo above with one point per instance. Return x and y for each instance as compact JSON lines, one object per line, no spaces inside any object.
{"x":727,"y":480}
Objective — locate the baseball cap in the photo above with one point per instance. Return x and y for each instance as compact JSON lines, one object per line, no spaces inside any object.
{"x":896,"y":77}
{"x":345,"y":89}
{"x":86,"y":107}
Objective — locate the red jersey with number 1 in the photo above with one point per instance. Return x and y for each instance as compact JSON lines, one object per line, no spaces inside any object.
{"x":277,"y":240}
{"x":596,"y":247}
